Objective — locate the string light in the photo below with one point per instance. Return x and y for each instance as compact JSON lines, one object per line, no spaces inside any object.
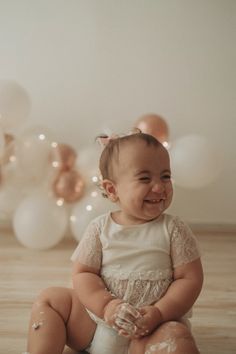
{"x":60,"y":202}
{"x":42,"y":137}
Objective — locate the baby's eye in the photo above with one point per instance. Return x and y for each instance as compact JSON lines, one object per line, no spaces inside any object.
{"x":166,"y":177}
{"x":144,"y":179}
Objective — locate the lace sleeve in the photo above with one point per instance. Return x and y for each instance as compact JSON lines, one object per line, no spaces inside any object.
{"x":89,"y":250}
{"x":184,"y":248}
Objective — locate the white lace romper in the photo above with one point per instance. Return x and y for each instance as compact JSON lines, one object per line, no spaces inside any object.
{"x":136,"y":262}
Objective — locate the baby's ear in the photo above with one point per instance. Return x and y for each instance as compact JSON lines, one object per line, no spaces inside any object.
{"x":110,"y":189}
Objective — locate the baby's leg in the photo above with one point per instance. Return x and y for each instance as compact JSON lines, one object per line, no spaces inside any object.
{"x":171,"y":337}
{"x":57,"y":319}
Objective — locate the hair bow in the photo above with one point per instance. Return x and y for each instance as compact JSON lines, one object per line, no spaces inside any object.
{"x":105,"y":139}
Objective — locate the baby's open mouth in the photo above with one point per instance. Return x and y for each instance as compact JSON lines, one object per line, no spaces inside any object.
{"x":153,"y":201}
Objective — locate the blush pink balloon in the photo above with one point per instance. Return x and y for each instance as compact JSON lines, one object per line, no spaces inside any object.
{"x":154,"y":125}
{"x":67,"y":156}
{"x":69,"y":185}
{"x":9,"y":148}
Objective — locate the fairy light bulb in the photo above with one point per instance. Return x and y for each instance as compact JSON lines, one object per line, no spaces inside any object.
{"x":60,"y":201}
{"x":73,"y":218}
{"x":54,"y":144}
{"x":94,"y":194}
{"x":42,"y":136}
{"x":95,"y":179}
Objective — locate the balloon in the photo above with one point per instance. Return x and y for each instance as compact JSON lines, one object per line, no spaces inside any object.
{"x":88,"y":162}
{"x":67,"y":156}
{"x":37,"y":158}
{"x":155,"y":125}
{"x":9,"y":138}
{"x":39,"y":223}
{"x":14,"y":105}
{"x":13,"y":176}
{"x":8,"y":152}
{"x":10,"y":197}
{"x":69,"y":185}
{"x":89,"y":207}
{"x":195,"y":162}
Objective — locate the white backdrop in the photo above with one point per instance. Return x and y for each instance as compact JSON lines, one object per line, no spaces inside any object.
{"x":95,"y":64}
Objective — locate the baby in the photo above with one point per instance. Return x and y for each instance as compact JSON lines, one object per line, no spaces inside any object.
{"x":137,"y":271}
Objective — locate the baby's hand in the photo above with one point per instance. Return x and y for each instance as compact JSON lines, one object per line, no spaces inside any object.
{"x":110,"y":311}
{"x":150,"y":319}
{"x":122,"y":316}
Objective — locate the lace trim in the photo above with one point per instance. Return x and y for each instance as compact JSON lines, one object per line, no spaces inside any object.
{"x":137,"y":292}
{"x":152,"y":275}
{"x":89,"y":250}
{"x":184,"y":248}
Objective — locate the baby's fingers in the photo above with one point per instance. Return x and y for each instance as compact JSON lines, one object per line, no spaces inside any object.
{"x":128,"y":312}
{"x":141,"y":322}
{"x":123,"y":333}
{"x":136,"y":335}
{"x":128,"y":327}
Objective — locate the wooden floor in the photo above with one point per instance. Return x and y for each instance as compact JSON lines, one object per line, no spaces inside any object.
{"x":25,"y":272}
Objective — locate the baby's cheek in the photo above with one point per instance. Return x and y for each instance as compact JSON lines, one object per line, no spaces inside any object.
{"x":169,"y":189}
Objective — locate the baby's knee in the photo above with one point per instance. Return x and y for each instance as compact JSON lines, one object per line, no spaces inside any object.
{"x":174,"y":329}
{"x":57,"y":298}
{"x":172,"y":337}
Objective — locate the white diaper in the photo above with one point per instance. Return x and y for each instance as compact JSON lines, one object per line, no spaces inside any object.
{"x":107,"y":341}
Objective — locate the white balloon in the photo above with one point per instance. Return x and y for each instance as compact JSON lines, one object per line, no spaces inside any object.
{"x":195,"y":162}
{"x":88,"y":161}
{"x":14,"y":105}
{"x":15,"y":178}
{"x":39,"y":223}
{"x":34,"y":156}
{"x":88,"y":208}
{"x":10,"y":197}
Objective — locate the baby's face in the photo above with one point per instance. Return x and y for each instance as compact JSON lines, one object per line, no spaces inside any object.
{"x":142,"y":182}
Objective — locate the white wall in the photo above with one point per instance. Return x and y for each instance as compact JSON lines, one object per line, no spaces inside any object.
{"x":89,"y":64}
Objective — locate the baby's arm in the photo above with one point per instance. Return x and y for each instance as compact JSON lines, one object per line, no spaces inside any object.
{"x":90,"y":289}
{"x":183,"y":292}
{"x":94,"y":295}
{"x":178,"y":299}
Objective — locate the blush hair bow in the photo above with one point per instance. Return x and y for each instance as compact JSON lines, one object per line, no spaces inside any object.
{"x":105,"y":139}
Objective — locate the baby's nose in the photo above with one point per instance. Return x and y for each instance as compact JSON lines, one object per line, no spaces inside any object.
{"x":158,"y":187}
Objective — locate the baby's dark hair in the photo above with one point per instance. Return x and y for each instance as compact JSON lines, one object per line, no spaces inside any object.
{"x":112,"y":148}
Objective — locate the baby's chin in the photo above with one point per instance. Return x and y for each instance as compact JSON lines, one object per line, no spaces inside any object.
{"x":148,"y":218}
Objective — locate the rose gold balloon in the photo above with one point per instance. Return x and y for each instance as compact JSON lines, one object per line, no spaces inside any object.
{"x":155,"y":125}
{"x":9,"y":150}
{"x":69,"y":185}
{"x":8,"y":138}
{"x":67,"y":156}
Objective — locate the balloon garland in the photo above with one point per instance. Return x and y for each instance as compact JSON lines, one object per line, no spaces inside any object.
{"x":47,"y":186}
